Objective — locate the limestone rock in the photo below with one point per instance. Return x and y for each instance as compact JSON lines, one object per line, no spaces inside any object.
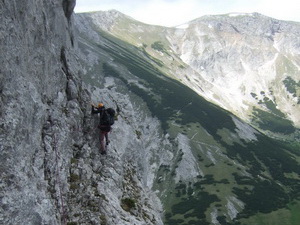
{"x":51,"y":171}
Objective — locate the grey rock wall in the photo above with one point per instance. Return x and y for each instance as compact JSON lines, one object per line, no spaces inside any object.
{"x":36,"y":133}
{"x":50,"y":168}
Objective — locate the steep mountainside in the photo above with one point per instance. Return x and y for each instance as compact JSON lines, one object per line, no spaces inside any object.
{"x":246,"y":63}
{"x":206,"y":165}
{"x":51,"y":171}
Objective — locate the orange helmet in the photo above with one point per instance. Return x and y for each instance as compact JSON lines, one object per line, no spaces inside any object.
{"x":100,"y":105}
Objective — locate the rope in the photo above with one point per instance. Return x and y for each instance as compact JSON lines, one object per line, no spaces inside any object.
{"x":58,"y":181}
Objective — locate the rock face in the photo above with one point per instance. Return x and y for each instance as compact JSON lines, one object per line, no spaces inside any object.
{"x":51,"y":170}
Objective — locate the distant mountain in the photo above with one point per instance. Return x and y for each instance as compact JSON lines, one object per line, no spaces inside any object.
{"x":205,"y":164}
{"x":246,"y":63}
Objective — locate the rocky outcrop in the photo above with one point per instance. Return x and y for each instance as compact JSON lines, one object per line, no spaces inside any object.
{"x":51,"y":170}
{"x":37,"y":118}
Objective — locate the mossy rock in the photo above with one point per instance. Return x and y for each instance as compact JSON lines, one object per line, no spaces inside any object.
{"x":127,"y":204}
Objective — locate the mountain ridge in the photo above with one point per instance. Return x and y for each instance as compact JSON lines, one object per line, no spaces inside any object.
{"x":225,"y":41}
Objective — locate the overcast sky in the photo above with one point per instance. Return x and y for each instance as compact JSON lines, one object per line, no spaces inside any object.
{"x":176,"y":12}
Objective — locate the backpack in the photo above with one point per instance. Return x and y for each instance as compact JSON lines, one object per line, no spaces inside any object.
{"x":108,"y":117}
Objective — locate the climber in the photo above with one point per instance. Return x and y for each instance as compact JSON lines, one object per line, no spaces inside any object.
{"x":106,"y":120}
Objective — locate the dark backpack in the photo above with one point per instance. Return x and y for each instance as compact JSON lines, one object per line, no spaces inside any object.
{"x":108,"y":117}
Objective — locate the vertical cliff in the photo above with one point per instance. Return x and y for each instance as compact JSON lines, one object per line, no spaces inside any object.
{"x":41,"y":103}
{"x":51,"y":171}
